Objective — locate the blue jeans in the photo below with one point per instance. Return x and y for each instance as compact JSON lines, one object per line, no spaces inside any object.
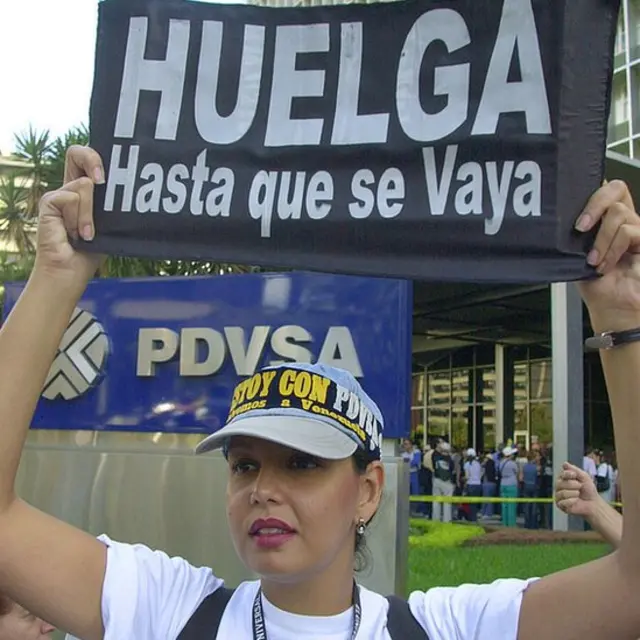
{"x":530,"y":508}
{"x":474,"y":491}
{"x":414,"y":490}
{"x":489,"y":490}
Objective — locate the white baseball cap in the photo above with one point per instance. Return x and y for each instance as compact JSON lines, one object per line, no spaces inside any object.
{"x":313,"y":408}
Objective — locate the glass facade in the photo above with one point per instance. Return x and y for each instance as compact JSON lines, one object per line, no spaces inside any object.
{"x":460,"y":402}
{"x":624,"y":121}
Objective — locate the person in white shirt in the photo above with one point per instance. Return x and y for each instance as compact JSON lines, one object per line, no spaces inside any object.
{"x":443,"y":481}
{"x":589,"y":463}
{"x":305,"y":480}
{"x":473,"y":481}
{"x":605,"y":479}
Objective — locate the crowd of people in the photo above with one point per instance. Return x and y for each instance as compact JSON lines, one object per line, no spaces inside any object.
{"x":506,"y":472}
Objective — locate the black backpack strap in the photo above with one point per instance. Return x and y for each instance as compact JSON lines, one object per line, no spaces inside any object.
{"x":205,"y":621}
{"x":401,"y":623}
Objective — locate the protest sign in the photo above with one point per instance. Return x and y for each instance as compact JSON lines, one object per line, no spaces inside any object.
{"x":436,"y":140}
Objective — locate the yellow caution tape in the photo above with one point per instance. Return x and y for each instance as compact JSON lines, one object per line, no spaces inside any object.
{"x":480,"y":500}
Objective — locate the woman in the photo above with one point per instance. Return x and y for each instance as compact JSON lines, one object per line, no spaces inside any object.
{"x":576,"y":495}
{"x":413,"y":457}
{"x":509,"y":480}
{"x":473,"y":481}
{"x":305,"y":480}
{"x":546,"y":488}
{"x":530,"y":482}
{"x":425,"y":477}
{"x":520,"y":460}
{"x":443,"y":481}
{"x":489,"y":484}
{"x":16,"y":623}
{"x":605,"y":478}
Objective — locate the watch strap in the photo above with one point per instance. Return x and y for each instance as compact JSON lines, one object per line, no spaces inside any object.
{"x":612,"y":339}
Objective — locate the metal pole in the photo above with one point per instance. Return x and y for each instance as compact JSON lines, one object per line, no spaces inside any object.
{"x":568,"y":387}
{"x":500,"y":399}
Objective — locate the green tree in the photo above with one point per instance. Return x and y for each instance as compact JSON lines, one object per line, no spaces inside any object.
{"x":15,"y":227}
{"x":33,"y":147}
{"x":54,"y":167}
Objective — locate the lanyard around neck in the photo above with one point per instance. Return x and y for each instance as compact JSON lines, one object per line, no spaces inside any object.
{"x":260,"y":630}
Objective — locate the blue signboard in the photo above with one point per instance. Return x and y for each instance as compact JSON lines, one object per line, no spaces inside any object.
{"x":164,"y":354}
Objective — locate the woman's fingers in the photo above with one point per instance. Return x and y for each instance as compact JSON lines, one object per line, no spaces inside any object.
{"x":616,"y":216}
{"x":569,"y":485}
{"x":83,"y":161}
{"x":84,"y":188}
{"x":626,"y":240}
{"x":567,"y":505}
{"x":571,"y":472}
{"x":567,"y":494}
{"x":568,"y":474}
{"x":600,"y":202}
{"x":60,"y":205}
{"x":73,"y":204}
{"x":619,"y":233}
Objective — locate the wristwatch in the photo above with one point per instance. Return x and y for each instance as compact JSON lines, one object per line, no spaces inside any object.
{"x":611,"y":339}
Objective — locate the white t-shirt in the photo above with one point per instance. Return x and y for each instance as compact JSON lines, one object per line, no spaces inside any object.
{"x":589,"y":465}
{"x":149,"y":596}
{"x":606,"y":470}
{"x":473,"y":471}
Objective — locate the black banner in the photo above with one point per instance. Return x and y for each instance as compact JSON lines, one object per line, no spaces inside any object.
{"x":429,"y":139}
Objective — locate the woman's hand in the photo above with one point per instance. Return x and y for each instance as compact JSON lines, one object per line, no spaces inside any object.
{"x":576,"y":492}
{"x":613,"y":299}
{"x":68,"y":213}
{"x":576,"y":495}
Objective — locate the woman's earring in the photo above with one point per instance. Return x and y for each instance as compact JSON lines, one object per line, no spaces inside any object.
{"x":361,"y":528}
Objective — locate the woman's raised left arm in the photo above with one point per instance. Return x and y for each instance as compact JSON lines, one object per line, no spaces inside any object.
{"x":599,"y":600}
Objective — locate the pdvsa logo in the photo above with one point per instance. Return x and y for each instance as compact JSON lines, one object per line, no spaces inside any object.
{"x":203,"y":351}
{"x":80,"y":360}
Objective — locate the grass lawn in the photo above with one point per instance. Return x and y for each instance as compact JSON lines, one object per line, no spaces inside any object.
{"x":433,"y":562}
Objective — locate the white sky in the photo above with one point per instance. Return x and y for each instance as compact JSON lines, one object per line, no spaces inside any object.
{"x":47,"y":49}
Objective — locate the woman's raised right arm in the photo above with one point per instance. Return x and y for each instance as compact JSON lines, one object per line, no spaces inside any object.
{"x":51,"y":568}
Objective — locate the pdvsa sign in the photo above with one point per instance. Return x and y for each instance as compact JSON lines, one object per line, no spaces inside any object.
{"x":179,"y":346}
{"x":203,"y":351}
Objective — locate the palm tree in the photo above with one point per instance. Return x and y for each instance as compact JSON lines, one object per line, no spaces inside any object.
{"x":33,"y":147}
{"x":15,"y":228}
{"x":53,"y":172}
